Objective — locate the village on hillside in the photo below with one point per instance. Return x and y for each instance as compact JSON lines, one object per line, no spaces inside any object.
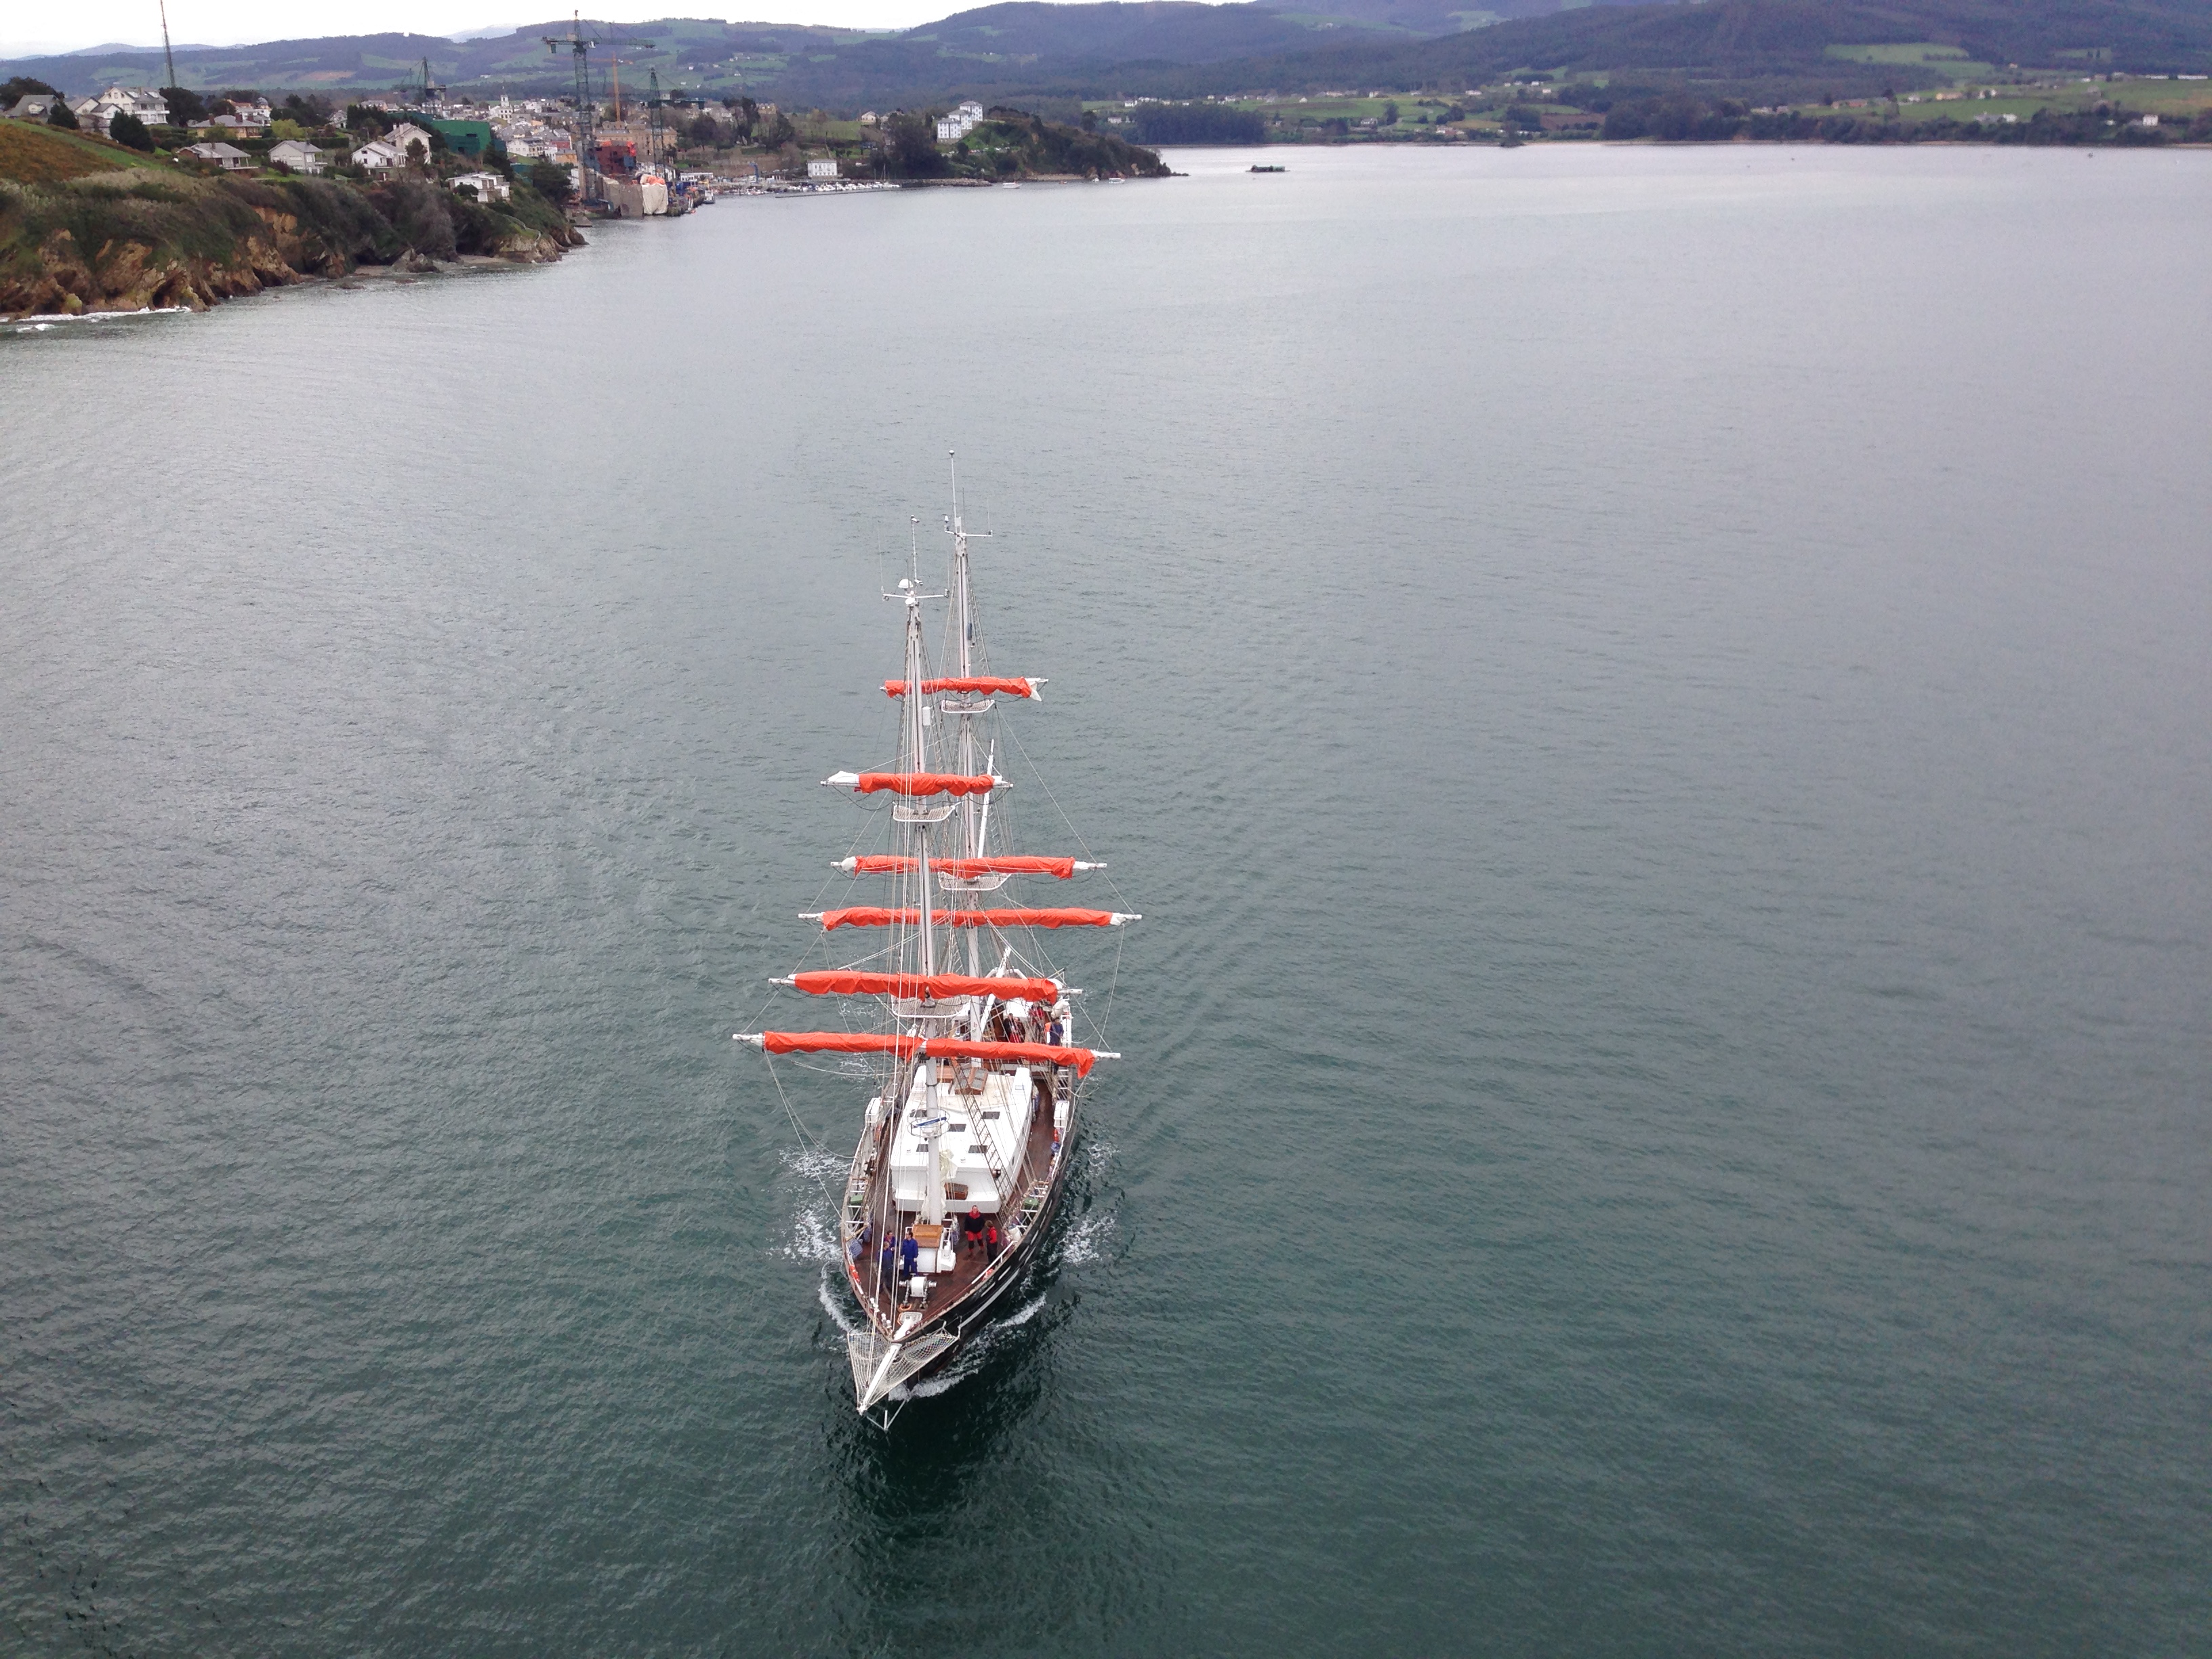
{"x":638,"y":157}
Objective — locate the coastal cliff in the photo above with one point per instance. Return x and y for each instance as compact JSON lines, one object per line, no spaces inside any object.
{"x":108,"y":238}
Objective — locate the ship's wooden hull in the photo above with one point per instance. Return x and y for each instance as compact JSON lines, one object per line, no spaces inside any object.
{"x":904,"y":1342}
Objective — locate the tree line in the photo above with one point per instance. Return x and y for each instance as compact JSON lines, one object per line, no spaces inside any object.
{"x":1680,"y":117}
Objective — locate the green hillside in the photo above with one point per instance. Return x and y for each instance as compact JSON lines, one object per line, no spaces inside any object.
{"x":1173,"y":48}
{"x":1771,"y":43}
{"x":1008,"y":41}
{"x":39,"y":155}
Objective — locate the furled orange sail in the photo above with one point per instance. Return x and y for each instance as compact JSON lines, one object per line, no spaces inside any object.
{"x":834,"y":1042}
{"x":969,"y":683}
{"x":939,"y":988}
{"x":869,"y":1042}
{"x":871,"y":916}
{"x":1043,"y":1053}
{"x":900,"y":864}
{"x":913,"y":783}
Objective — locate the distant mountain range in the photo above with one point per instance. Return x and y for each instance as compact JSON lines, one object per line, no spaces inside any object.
{"x":1173,"y":48}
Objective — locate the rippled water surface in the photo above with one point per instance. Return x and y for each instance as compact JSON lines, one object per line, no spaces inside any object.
{"x":1657,"y":710}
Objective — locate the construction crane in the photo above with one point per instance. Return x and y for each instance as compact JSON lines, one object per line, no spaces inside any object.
{"x":169,"y":57}
{"x":614,"y":83}
{"x":426,"y":90}
{"x":656,"y":122}
{"x":579,"y":51}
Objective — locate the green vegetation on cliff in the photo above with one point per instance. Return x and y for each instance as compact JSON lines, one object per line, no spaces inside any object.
{"x":33,"y":154}
{"x":122,"y":240}
{"x":1008,"y":143}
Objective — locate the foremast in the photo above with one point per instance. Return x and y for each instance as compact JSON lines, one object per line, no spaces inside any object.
{"x":974,"y":816}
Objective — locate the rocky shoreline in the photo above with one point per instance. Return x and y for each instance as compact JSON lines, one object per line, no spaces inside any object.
{"x":142,"y":240}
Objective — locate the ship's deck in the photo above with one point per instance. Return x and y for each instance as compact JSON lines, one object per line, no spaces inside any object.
{"x":970,"y":1260}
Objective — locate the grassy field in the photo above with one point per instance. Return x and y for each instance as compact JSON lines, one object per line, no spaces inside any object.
{"x":2168,"y":99}
{"x":40,"y":155}
{"x":1480,"y":112}
{"x":1419,"y":115}
{"x":1920,"y":54}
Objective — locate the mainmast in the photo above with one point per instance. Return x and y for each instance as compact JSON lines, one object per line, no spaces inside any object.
{"x":917,"y":825}
{"x":973,"y":818}
{"x":919,"y":822}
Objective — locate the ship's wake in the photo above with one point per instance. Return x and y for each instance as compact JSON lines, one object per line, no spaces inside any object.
{"x":1088,"y":1239}
{"x":813,"y":1236}
{"x":839,"y":1309}
{"x":974,"y":1354}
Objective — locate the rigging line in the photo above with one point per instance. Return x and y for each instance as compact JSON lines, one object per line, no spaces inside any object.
{"x":799,"y":1129}
{"x":1113,"y":984}
{"x":820,"y":939}
{"x":868,"y":825}
{"x":1075,"y":835}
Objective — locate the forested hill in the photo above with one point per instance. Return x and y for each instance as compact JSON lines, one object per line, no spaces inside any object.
{"x":991,"y":43}
{"x":1179,"y":49}
{"x":1016,"y":44}
{"x":1764,"y":40}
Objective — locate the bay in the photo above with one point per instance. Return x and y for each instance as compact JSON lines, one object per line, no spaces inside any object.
{"x":1655,"y":704}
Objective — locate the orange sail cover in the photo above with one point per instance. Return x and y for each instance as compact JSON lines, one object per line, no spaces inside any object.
{"x":870,"y":1042}
{"x":913,"y":783}
{"x":898,"y":864}
{"x":837,"y":1042}
{"x":869,"y":915}
{"x":942,"y":988}
{"x":985,"y":683}
{"x":1037,"y":1053}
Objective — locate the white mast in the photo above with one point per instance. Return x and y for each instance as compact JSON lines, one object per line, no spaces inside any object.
{"x":932,"y":1125}
{"x":918,"y":760}
{"x":973,"y":821}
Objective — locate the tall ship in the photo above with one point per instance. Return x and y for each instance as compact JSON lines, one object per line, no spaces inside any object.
{"x":967,"y":1029}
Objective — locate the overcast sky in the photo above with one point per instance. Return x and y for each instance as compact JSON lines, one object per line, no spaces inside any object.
{"x":27,"y":30}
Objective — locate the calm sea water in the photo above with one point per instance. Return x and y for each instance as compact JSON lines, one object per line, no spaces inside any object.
{"x":1657,"y":709}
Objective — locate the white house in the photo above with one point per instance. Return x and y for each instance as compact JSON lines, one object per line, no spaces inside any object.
{"x":408,"y":133}
{"x":962,"y":122}
{"x":245,"y":118}
{"x":377,"y":156}
{"x":299,"y":156}
{"x":98,"y":111}
{"x":38,"y":106}
{"x":228,"y":157}
{"x":527,"y":140}
{"x":869,"y":118}
{"x":822,"y":167}
{"x":489,"y":186}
